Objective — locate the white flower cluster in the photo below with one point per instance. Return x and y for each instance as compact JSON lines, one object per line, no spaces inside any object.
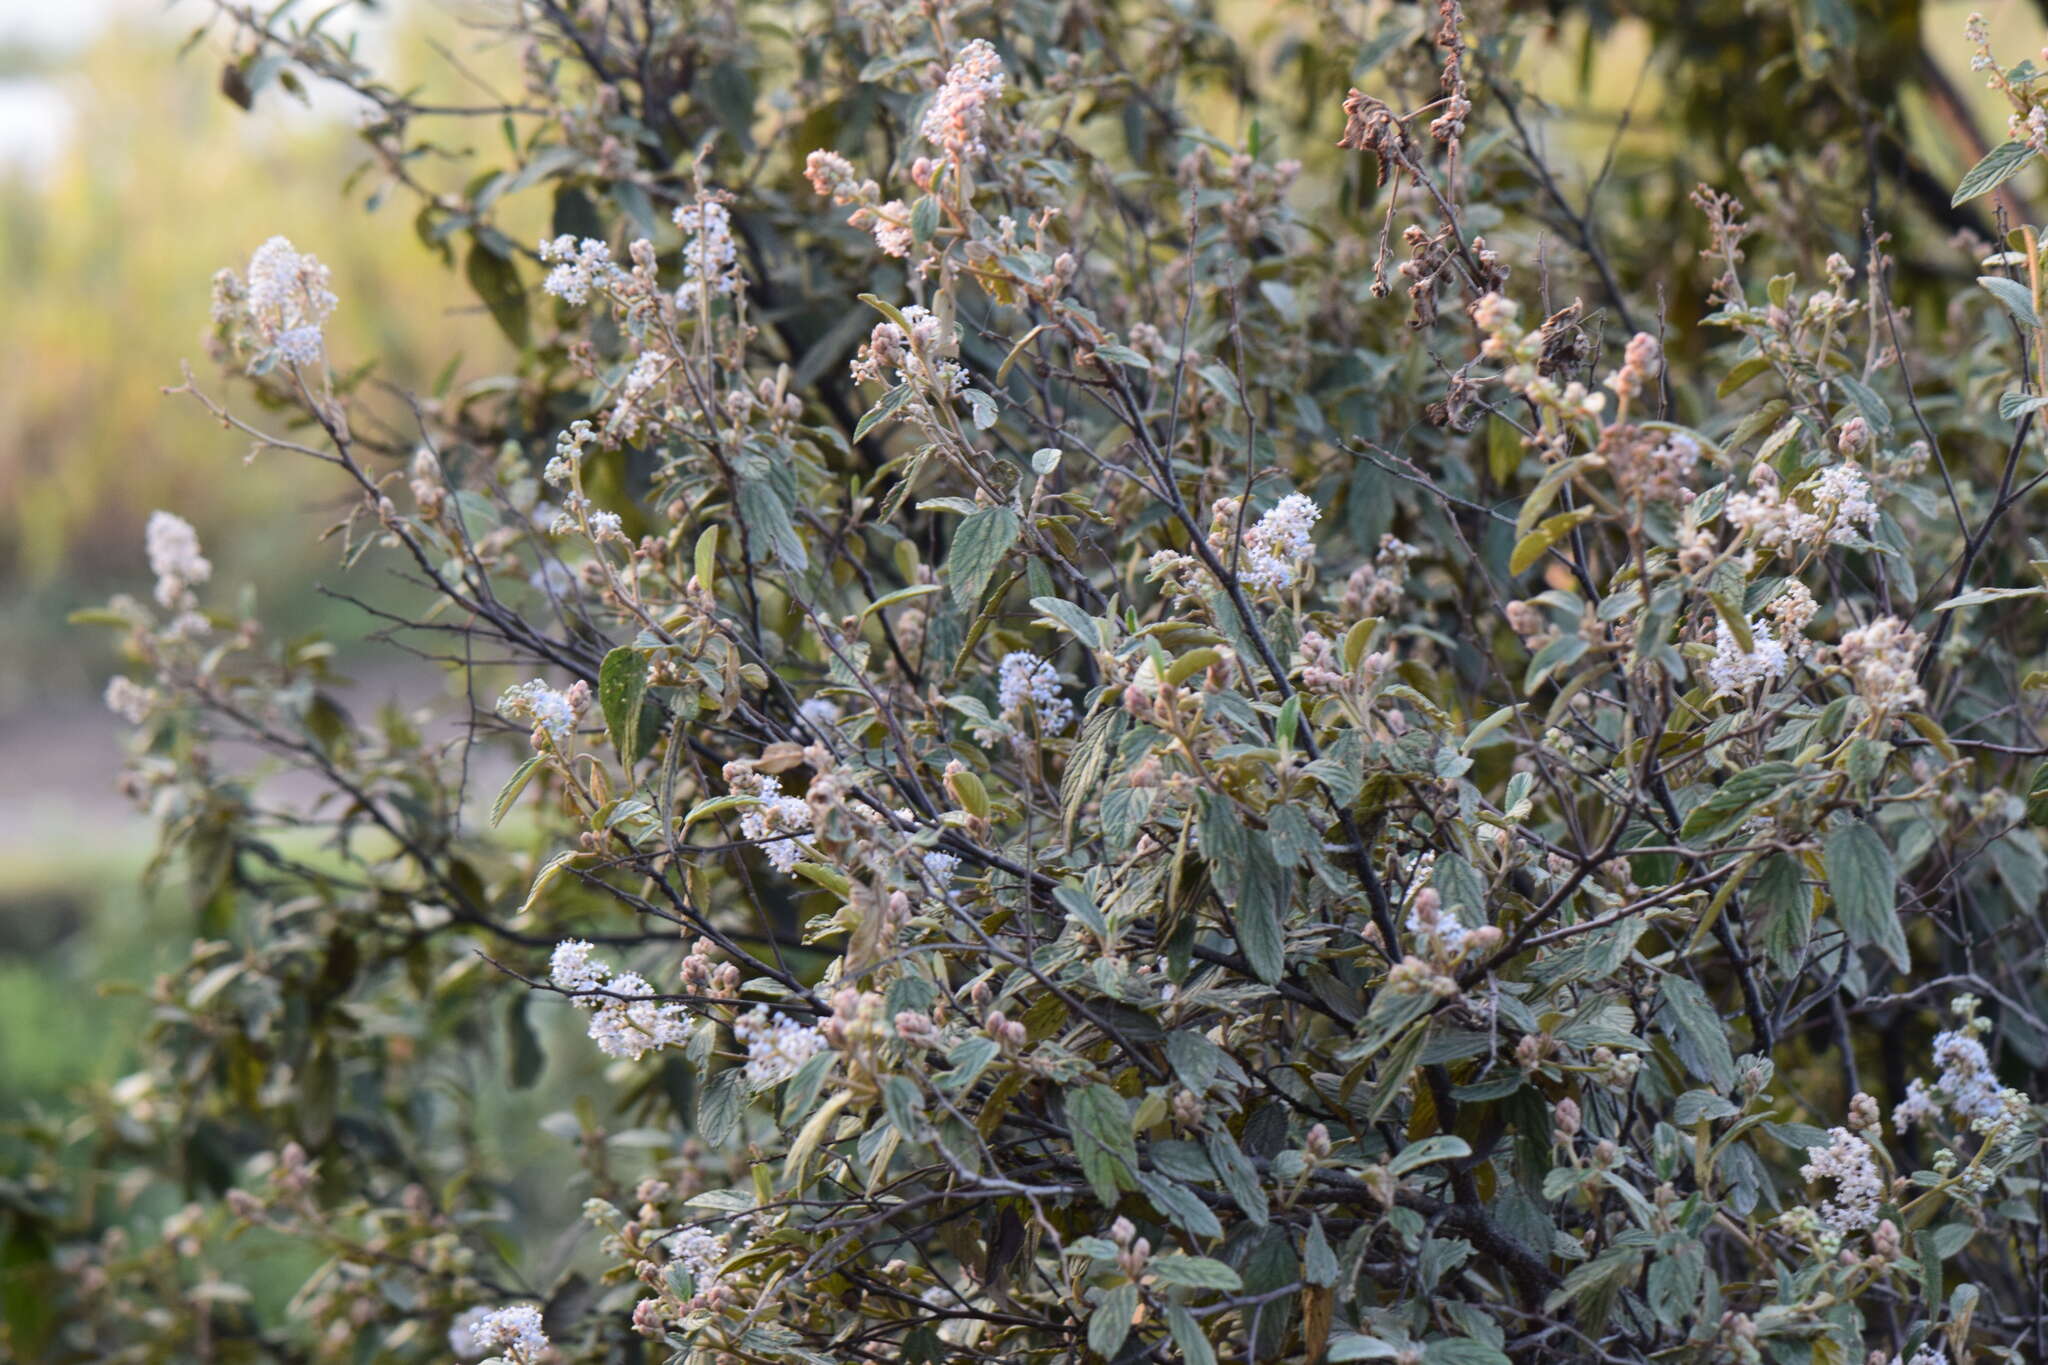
{"x":647,"y":371}
{"x":128,"y":699}
{"x":569,"y":444}
{"x":1733,"y":668}
{"x":1023,"y":679}
{"x":1278,"y":543}
{"x":701,"y":1251}
{"x":893,"y":356}
{"x":1966,"y":1086}
{"x":1794,"y":609}
{"x":173,"y":549}
{"x":776,"y":1045}
{"x":285,"y":302}
{"x":1883,"y":660}
{"x":542,"y":707}
{"x":515,"y":1330}
{"x":579,"y":267}
{"x":1841,"y":495}
{"x":710,"y":260}
{"x":629,"y":1028}
{"x":955,"y":119}
{"x":1929,"y":1354}
{"x":1847,"y":1160}
{"x":833,"y":175}
{"x":1843,"y":509}
{"x":780,"y":823}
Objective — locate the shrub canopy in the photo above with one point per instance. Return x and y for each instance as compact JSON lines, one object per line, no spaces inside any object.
{"x":1159,"y":713}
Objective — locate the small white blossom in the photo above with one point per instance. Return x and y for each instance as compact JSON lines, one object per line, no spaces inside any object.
{"x":572,"y":969}
{"x":287,"y":301}
{"x":1841,"y":494}
{"x":128,"y":699}
{"x":515,"y":1330}
{"x":710,"y":258}
{"x":780,"y":823}
{"x":776,"y":1045}
{"x":579,"y":267}
{"x":173,"y":549}
{"x":638,"y":1024}
{"x":1965,"y":1086}
{"x":1847,"y":1160}
{"x":626,"y":1019}
{"x":1025,"y":679}
{"x":955,"y":118}
{"x":1882,"y":659}
{"x":1734,"y":669}
{"x":1278,"y":544}
{"x":701,"y":1251}
{"x":540,"y":706}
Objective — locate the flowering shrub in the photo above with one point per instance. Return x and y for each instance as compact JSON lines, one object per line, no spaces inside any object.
{"x":1103,"y":785}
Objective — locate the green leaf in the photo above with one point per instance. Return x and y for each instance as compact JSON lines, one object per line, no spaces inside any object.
{"x":901,"y":595}
{"x":1318,"y":1263}
{"x":1238,"y":1175}
{"x":1110,"y":1321}
{"x":979,"y":547}
{"x":1999,"y":165}
{"x":1187,"y":1336}
{"x":1462,"y":1351}
{"x":550,"y":870}
{"x":1532,"y":546}
{"x":1742,"y":374}
{"x":526,"y":1057}
{"x":2014,"y":405}
{"x":1262,"y":895}
{"x":1088,"y":764}
{"x":1979,"y":596}
{"x":1112,"y":354}
{"x":1731,"y":804}
{"x":1696,"y":1031}
{"x":980,"y":407}
{"x":1195,"y":1272}
{"x":704,"y":558}
{"x":1864,"y":882}
{"x":1356,"y":1346}
{"x":880,"y":412}
{"x":496,"y":281}
{"x":718,"y":1109}
{"x":621,"y":692}
{"x":766,"y":517}
{"x":1101,"y":1126}
{"x":515,"y":784}
{"x":1070,"y":618}
{"x":2015,"y":296}
{"x":1428,"y":1151}
{"x":1867,"y":403}
{"x":904,"y":1105}
{"x":1180,"y":1203}
{"x":2037,"y":796}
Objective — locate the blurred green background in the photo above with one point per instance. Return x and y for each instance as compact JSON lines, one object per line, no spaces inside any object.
{"x":126,"y":180}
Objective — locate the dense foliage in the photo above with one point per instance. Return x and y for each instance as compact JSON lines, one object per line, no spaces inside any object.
{"x":1158,"y":714}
